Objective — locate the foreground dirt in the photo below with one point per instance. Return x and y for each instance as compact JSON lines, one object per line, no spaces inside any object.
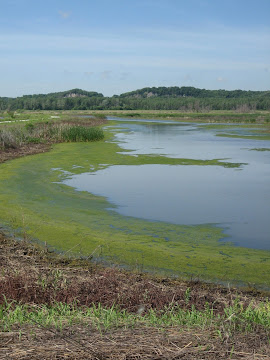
{"x":21,"y":266}
{"x":144,"y":343}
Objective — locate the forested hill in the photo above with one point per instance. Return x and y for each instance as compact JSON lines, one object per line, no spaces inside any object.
{"x":67,"y":94}
{"x":65,"y":100}
{"x":150,"y":98}
{"x":184,"y":91}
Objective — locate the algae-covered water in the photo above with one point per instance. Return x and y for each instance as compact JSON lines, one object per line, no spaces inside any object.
{"x":236,"y":199}
{"x":156,"y":196}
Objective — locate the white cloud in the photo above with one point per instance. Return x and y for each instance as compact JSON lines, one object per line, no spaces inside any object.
{"x":145,"y":56}
{"x":188,"y":78}
{"x":106,"y":74}
{"x":124,"y":75}
{"x":88,"y":73}
{"x":139,"y":61}
{"x":67,"y":72}
{"x":221,"y":79}
{"x":64,"y":14}
{"x":223,"y":41}
{"x":219,"y":33}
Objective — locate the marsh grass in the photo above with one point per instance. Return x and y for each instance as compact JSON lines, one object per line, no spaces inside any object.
{"x":211,"y":117}
{"x":14,"y":136}
{"x":81,"y":133}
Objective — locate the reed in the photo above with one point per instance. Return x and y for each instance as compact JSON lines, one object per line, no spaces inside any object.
{"x":14,"y":136}
{"x":81,"y":134}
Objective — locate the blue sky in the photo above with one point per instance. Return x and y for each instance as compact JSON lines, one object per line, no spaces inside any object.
{"x":122,"y":45}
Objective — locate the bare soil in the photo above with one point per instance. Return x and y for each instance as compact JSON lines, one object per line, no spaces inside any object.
{"x":24,"y":150}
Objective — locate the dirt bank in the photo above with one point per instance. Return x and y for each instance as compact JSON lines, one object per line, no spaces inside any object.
{"x":24,"y":150}
{"x":22,"y":264}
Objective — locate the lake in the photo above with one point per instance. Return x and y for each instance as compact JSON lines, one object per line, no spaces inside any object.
{"x":237,"y":199}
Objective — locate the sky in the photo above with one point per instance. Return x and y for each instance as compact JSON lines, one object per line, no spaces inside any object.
{"x":115,"y":46}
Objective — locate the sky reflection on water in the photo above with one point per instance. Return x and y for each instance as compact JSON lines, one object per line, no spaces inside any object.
{"x":236,"y":199}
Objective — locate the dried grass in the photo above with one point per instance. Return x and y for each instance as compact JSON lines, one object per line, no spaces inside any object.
{"x":128,"y":344}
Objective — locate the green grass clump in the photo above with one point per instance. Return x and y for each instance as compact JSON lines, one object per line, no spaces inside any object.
{"x":234,"y":318}
{"x":80,"y":133}
{"x":261,"y":149}
{"x":14,"y":136}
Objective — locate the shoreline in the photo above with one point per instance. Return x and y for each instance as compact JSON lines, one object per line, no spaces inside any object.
{"x":62,"y":234}
{"x":38,"y":280}
{"x":25,"y":150}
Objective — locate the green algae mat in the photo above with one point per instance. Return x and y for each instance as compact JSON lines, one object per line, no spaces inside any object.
{"x":34,"y":204}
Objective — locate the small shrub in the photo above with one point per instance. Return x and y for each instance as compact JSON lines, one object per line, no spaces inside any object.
{"x":33,"y":140}
{"x":29,"y":127}
{"x":11,"y":113}
{"x":9,"y":139}
{"x":100,"y":116}
{"x":133,"y":115}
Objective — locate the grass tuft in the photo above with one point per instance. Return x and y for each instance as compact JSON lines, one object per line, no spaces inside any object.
{"x":235,"y":318}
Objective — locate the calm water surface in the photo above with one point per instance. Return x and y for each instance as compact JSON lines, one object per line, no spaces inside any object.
{"x":238,"y":200}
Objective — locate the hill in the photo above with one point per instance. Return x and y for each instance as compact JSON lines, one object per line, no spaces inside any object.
{"x":149,"y":98}
{"x":184,"y":91}
{"x":67,"y":94}
{"x":65,"y":100}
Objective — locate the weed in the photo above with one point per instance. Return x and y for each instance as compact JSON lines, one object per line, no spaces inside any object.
{"x":187,"y":295}
{"x":103,"y":319}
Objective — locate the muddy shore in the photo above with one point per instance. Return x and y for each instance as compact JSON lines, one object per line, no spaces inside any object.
{"x":25,"y":150}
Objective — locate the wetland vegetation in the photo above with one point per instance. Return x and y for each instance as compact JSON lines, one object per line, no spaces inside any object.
{"x":54,"y":292}
{"x":14,"y":136}
{"x":49,"y":211}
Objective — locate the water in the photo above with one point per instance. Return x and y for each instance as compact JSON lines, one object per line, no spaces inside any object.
{"x":11,"y":121}
{"x":238,"y":200}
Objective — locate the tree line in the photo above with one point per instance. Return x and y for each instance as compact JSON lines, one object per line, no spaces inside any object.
{"x":160,"y":98}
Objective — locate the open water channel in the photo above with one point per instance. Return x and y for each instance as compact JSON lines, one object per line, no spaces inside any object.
{"x":237,"y":199}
